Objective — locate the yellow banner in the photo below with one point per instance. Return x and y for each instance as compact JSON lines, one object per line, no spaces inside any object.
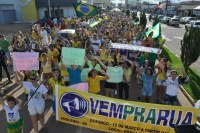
{"x":119,"y":116}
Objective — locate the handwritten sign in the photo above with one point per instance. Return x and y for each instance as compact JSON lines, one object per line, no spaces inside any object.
{"x":73,"y":56}
{"x":25,"y":61}
{"x":115,"y":74}
{"x":136,"y":48}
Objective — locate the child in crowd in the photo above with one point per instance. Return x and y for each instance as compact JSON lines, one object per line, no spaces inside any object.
{"x":14,"y":122}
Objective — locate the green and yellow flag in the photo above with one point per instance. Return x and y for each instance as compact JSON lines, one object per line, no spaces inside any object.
{"x":83,"y":9}
{"x":155,"y":30}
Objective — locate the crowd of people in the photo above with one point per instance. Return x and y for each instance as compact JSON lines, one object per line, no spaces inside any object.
{"x":143,"y":67}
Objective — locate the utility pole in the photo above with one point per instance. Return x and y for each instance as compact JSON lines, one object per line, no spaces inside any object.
{"x":49,"y":5}
{"x":166,"y":6}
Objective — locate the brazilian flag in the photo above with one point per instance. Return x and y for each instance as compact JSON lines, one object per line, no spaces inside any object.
{"x":155,"y":30}
{"x":83,"y":9}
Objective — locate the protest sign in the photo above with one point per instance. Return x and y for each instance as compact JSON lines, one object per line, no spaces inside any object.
{"x":135,"y":48}
{"x":80,"y":86}
{"x":113,"y":115}
{"x":115,"y":74}
{"x":25,"y":61}
{"x":73,"y":56}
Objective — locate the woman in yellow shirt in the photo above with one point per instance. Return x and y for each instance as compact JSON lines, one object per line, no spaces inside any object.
{"x":161,"y":80}
{"x":103,"y":52}
{"x":46,"y":68}
{"x":56,"y":79}
{"x":94,"y":81}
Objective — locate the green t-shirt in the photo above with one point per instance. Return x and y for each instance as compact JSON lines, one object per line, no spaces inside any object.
{"x":4,"y":44}
{"x":152,"y":57}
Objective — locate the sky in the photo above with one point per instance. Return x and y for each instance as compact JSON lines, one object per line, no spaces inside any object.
{"x":154,"y":1}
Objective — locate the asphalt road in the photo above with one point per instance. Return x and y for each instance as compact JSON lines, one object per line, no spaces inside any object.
{"x":173,"y":36}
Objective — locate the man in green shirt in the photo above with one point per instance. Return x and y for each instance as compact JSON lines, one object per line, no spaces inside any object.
{"x":4,"y":44}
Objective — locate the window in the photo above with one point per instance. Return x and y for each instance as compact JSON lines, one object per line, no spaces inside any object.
{"x":197,"y":23}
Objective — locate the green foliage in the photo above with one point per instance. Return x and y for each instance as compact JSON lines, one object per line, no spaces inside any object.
{"x":193,"y":87}
{"x":190,"y":47}
{"x":143,"y":20}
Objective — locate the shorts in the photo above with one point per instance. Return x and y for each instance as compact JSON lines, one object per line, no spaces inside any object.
{"x":170,"y":100}
{"x":161,"y":82}
{"x":34,"y":110}
{"x":146,"y":92}
{"x":110,"y":85}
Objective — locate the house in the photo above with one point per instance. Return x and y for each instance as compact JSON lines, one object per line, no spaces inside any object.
{"x":58,"y":8}
{"x":32,"y":10}
{"x":10,"y":11}
{"x":187,"y":7}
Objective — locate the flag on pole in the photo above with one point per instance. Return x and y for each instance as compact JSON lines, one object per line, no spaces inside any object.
{"x":155,"y":30}
{"x":83,"y":9}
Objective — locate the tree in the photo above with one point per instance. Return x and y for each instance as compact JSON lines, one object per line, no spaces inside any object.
{"x":190,"y":47}
{"x":143,"y":20}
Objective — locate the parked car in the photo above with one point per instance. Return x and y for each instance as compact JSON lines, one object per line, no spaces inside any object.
{"x":182,"y":19}
{"x":195,"y":24}
{"x":188,"y":19}
{"x":64,"y":34}
{"x":165,"y":20}
{"x":160,"y":17}
{"x":174,"y":22}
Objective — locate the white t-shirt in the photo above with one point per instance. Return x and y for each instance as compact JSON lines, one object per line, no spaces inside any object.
{"x":12,"y":115}
{"x":137,"y":43}
{"x":197,"y":104}
{"x":95,"y":44}
{"x":37,"y":99}
{"x":172,"y":86}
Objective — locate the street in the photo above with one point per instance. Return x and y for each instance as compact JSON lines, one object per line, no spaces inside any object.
{"x":173,"y":36}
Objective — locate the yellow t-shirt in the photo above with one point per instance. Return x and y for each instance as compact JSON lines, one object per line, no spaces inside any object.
{"x":73,"y":21}
{"x":52,"y":83}
{"x":55,"y":55}
{"x":47,"y":67}
{"x":64,"y":72}
{"x":76,"y":44}
{"x":127,"y":73}
{"x":94,"y":84}
{"x":103,"y":55}
{"x":66,"y":22}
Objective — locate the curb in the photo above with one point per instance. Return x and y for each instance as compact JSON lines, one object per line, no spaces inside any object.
{"x":189,"y":98}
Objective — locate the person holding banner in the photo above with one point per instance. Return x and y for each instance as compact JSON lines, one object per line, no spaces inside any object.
{"x":173,"y":83}
{"x":36,"y":102}
{"x":147,"y":86}
{"x":94,"y":81}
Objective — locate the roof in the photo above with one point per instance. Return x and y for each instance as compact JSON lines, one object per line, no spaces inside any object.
{"x":56,"y":3}
{"x":197,"y":8}
{"x":187,"y":7}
